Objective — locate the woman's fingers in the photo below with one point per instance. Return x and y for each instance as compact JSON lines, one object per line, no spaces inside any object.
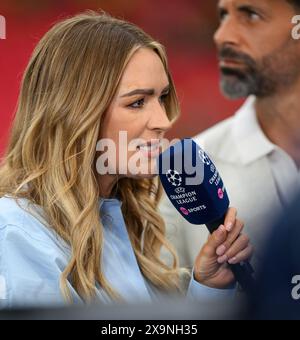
{"x":232,"y":236}
{"x":243,"y":255}
{"x":230,"y":219}
{"x":214,"y":241}
{"x":237,"y":246}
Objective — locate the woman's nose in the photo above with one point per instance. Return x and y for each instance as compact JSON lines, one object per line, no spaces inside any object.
{"x":159,"y":119}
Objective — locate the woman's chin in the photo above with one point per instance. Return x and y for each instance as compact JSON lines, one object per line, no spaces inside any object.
{"x":143,"y":176}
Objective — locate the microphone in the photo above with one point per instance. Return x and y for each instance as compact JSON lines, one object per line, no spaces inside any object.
{"x":195,"y":188}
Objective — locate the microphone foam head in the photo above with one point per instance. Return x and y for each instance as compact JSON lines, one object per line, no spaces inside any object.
{"x":192,"y":182}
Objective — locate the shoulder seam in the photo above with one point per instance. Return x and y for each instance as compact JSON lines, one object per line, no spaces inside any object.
{"x":21,"y":227}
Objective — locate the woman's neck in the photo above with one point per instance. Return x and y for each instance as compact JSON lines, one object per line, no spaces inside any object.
{"x":106,"y":184}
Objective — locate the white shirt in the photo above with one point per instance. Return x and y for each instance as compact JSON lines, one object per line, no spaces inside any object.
{"x":249,"y":137}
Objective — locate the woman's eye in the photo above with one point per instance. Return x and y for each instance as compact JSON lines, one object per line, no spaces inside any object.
{"x":138,"y":104}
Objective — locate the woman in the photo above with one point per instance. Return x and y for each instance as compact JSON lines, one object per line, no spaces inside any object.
{"x":69,"y":231}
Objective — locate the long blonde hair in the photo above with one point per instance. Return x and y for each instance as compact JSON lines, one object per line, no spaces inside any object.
{"x":68,"y":85}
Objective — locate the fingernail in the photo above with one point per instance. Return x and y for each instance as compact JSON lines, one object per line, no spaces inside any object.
{"x":222,"y":259}
{"x":233,"y":260}
{"x":221,"y":250}
{"x":221,"y":230}
{"x":229,"y":226}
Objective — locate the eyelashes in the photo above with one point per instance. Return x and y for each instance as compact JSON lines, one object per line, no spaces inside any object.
{"x":138,"y":104}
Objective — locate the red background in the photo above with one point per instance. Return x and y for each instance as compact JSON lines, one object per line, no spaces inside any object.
{"x":185,"y":27}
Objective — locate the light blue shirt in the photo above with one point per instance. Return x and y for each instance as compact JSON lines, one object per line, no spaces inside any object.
{"x":33,"y":257}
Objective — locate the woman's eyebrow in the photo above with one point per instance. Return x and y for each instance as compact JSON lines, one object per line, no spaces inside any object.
{"x":148,"y":92}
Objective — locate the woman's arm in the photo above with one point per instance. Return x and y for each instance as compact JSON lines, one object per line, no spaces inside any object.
{"x":30,"y":269}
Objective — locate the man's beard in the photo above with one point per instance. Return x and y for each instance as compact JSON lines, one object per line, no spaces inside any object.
{"x":275,"y":71}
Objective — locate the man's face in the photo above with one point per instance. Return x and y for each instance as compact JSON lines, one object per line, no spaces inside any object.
{"x":257,"y":54}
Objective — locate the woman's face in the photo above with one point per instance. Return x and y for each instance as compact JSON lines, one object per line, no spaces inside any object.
{"x":137,"y":117}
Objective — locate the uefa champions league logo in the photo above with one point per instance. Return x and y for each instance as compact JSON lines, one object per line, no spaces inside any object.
{"x":174,"y":178}
{"x":179,"y":190}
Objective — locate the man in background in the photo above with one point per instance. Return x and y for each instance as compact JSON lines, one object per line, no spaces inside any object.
{"x":257,"y":151}
{"x":277,"y":295}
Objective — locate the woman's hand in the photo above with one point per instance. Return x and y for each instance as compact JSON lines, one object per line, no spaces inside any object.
{"x":227,"y":244}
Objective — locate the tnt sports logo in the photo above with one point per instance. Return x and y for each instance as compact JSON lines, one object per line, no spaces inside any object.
{"x":220,"y":194}
{"x":174,"y":178}
{"x":184,"y":211}
{"x":203,"y":156}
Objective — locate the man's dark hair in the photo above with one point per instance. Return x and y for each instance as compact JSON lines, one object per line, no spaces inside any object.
{"x":295,"y":3}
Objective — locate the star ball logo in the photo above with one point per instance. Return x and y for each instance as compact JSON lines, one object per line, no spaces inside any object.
{"x":174,"y":178}
{"x":2,"y":28}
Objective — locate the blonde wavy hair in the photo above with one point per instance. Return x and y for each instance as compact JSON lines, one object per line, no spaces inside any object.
{"x":67,"y":87}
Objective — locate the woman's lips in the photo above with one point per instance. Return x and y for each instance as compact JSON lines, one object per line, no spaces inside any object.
{"x":150,"y":150}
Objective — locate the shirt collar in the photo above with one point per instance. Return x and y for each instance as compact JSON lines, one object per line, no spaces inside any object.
{"x":249,"y":138}
{"x":105,"y":203}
